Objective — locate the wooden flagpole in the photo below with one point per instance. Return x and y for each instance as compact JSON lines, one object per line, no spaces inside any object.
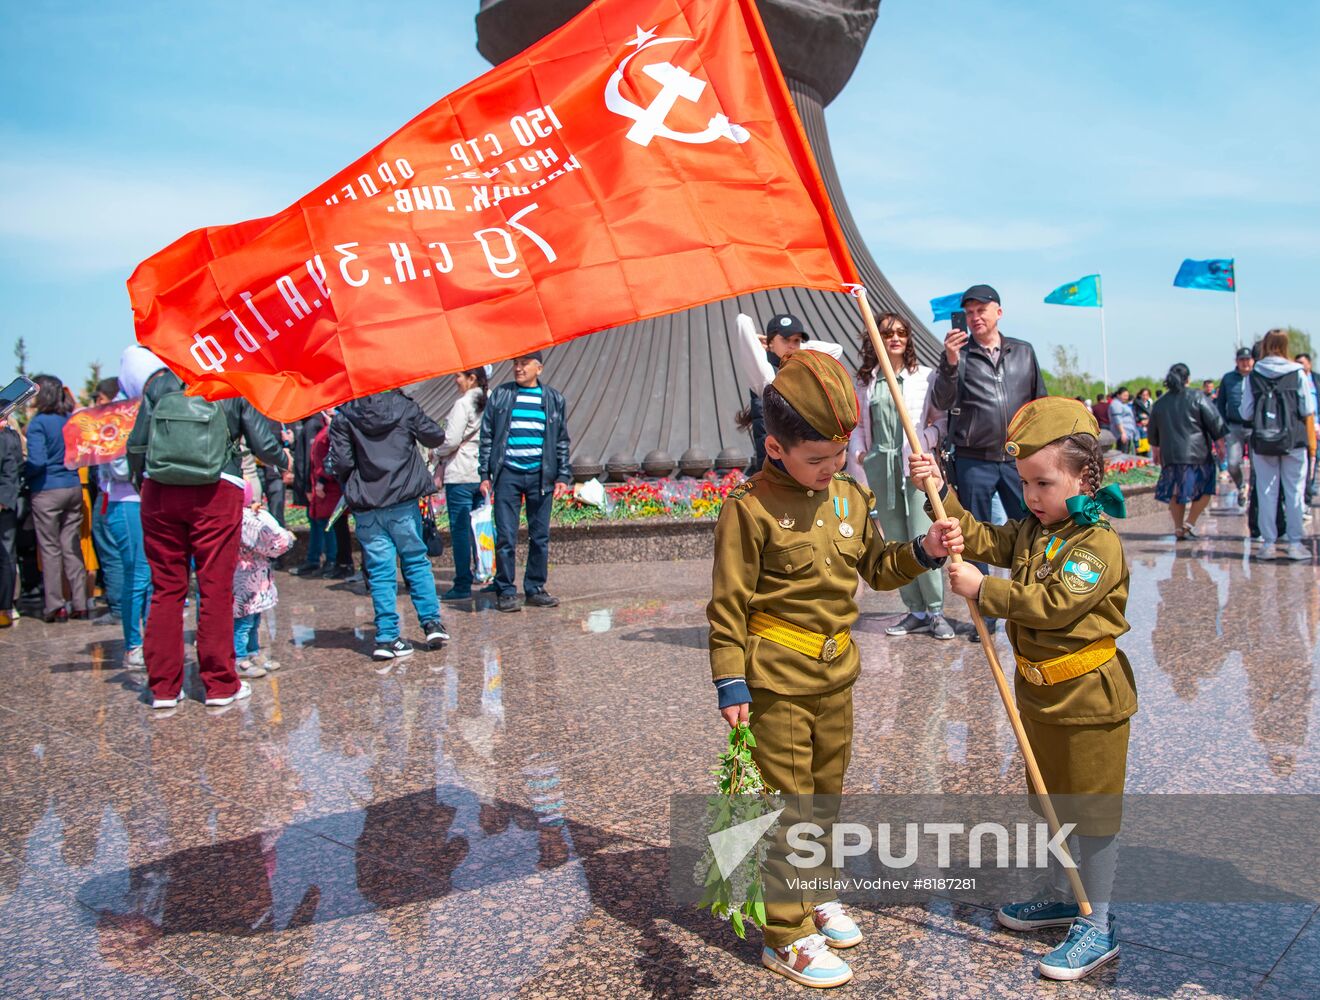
{"x":987,"y":642}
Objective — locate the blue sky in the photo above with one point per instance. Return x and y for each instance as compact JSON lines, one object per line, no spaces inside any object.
{"x":1023,"y":144}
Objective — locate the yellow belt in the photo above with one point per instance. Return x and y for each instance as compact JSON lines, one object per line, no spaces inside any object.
{"x":1068,"y":666}
{"x":813,"y":644}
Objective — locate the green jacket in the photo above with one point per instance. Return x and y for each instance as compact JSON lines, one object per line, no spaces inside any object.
{"x":1082,"y":598}
{"x":778,"y":549}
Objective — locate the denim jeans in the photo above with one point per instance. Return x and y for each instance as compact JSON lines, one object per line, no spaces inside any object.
{"x":247,"y":635}
{"x":458,"y":504}
{"x":123,"y":520}
{"x":320,"y":542}
{"x":511,"y":490}
{"x":112,"y":566}
{"x":386,"y":534}
{"x":1235,"y":445}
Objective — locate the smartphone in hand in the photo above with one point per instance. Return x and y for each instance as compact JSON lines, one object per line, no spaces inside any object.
{"x":15,"y":394}
{"x":959,"y":319}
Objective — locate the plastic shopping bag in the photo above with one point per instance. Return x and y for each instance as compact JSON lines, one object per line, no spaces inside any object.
{"x":483,"y":537}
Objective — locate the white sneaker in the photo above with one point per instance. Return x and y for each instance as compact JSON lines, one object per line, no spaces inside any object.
{"x":163,"y":703}
{"x":1298,"y":552}
{"x":807,"y":961}
{"x":244,"y":691}
{"x":1266,"y":551}
{"x":838,"y":929}
{"x":134,"y":659}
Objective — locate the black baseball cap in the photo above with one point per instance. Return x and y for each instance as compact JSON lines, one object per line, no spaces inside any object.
{"x":784,"y":325}
{"x":1243,"y":352}
{"x":980,"y":293}
{"x":533,"y":355}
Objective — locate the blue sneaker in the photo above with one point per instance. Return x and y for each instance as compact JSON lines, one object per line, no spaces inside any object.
{"x":1037,"y":913}
{"x":1085,"y":948}
{"x":835,"y":926}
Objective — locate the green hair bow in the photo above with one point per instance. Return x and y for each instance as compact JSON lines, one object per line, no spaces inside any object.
{"x":1107,"y":500}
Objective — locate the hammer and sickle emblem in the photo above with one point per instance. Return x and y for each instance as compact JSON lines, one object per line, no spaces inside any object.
{"x":675,"y":83}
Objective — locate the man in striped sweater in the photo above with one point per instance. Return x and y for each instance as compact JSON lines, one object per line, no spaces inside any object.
{"x":523,"y":452}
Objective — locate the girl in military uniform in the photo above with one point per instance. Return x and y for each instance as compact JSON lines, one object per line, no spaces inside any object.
{"x":1065,"y":605}
{"x":790,"y":546}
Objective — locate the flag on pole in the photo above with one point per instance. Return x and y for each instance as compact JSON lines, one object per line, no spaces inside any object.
{"x":1212,"y":275}
{"x":644,"y":158}
{"x":1082,"y":292}
{"x":945,"y":306}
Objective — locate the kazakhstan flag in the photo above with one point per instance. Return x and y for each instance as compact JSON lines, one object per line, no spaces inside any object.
{"x":1082,"y":292}
{"x":945,"y":306}
{"x":1213,"y":275}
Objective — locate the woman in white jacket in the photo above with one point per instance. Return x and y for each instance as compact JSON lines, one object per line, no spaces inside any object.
{"x":878,"y":453}
{"x":456,"y":471}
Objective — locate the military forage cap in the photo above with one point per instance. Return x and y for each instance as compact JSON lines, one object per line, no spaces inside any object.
{"x":819,"y":388}
{"x":1043,"y":421}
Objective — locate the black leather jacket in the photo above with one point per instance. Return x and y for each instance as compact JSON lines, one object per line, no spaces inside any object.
{"x":495,"y":419}
{"x":1182,"y":425}
{"x":978,"y":421}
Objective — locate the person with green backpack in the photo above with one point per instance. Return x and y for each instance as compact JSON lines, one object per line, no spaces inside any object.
{"x":183,"y":456}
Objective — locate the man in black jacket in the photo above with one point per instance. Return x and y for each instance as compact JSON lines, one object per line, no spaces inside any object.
{"x":1228,"y":402}
{"x":983,"y":380}
{"x":374,"y":455}
{"x":523,"y":452}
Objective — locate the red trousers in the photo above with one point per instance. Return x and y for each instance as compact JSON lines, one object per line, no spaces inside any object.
{"x":183,"y":525}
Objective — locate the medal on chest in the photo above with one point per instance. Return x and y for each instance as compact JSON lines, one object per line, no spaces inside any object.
{"x":1051,"y":550}
{"x":841,"y":512}
{"x":787,"y":522}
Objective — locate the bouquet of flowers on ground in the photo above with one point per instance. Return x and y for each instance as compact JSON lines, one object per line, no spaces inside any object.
{"x":737,"y":894}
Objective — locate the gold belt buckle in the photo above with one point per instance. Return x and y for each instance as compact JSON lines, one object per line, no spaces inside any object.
{"x":1033,"y":674}
{"x":830,"y":650}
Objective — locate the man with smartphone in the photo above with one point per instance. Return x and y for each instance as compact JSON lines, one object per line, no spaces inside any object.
{"x":983,"y":379}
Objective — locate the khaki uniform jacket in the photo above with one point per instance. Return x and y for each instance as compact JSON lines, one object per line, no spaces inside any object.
{"x":1082,"y":599}
{"x":778,"y":549}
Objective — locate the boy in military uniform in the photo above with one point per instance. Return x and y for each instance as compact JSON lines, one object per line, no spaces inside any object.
{"x":1064,"y":605}
{"x":790,"y":545}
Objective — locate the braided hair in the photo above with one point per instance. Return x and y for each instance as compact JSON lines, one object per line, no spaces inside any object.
{"x":1080,"y":454}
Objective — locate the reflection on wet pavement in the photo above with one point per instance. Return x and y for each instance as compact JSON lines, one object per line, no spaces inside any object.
{"x":491,"y":819}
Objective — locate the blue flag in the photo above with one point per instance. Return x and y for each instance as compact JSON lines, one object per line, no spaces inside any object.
{"x":1082,"y":292}
{"x":1212,"y":275}
{"x":945,"y":306}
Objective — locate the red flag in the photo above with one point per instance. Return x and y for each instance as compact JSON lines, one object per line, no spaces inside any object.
{"x":644,"y":158}
{"x":99,"y":434}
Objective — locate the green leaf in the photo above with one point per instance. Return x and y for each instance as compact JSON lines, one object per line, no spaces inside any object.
{"x":758,"y":913}
{"x":735,"y":917}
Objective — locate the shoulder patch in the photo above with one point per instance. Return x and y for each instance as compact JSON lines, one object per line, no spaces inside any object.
{"x":1082,"y":570}
{"x":845,"y":477}
{"x":742,"y":489}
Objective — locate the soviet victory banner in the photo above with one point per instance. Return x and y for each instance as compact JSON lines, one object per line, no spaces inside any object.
{"x":644,"y":158}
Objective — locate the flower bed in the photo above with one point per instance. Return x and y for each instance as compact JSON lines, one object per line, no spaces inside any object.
{"x":701,"y":499}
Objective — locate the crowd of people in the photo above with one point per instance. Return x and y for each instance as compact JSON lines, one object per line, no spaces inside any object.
{"x":961,"y":410}
{"x":200,"y":496}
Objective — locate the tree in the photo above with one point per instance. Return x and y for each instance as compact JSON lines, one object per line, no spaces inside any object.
{"x":1066,"y":377}
{"x":89,"y":387}
{"x":21,"y":356}
{"x":1299,"y":342}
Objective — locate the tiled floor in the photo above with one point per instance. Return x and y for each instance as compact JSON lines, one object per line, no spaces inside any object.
{"x":357,"y":830}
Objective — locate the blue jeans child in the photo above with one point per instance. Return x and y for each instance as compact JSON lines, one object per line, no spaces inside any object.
{"x":387,"y":534}
{"x":247,"y":636}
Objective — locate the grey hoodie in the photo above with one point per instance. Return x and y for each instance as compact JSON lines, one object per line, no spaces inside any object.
{"x":1272,"y":366}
